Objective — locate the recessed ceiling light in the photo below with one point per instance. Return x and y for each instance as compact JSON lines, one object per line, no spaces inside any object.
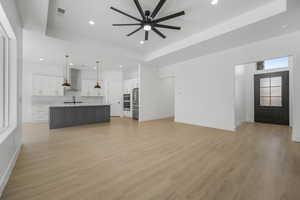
{"x":147,"y":27}
{"x":91,"y":22}
{"x":142,"y":42}
{"x":121,"y":66}
{"x":95,"y":68}
{"x":41,"y":59}
{"x":71,"y":64}
{"x":214,"y":2}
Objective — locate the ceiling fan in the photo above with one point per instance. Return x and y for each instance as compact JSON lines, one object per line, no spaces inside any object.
{"x":148,"y":21}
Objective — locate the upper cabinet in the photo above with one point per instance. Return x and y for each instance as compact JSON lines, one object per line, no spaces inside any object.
{"x":43,"y":85}
{"x":88,"y":89}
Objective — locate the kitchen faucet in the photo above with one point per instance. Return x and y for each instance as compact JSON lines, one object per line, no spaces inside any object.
{"x":73,"y":100}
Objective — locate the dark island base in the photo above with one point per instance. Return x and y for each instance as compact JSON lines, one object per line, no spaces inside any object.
{"x":60,"y":117}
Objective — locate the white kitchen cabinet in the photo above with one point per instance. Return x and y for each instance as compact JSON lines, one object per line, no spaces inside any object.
{"x":43,"y":85}
{"x":88,"y":88}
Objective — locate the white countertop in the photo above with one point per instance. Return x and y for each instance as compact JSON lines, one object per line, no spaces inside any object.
{"x":77,"y":105}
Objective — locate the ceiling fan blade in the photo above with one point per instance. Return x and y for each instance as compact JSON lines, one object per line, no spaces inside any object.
{"x":146,"y":35}
{"x":133,"y":32}
{"x":158,"y":7}
{"x":169,"y":17}
{"x":132,"y":17}
{"x":138,"y":5}
{"x":158,"y":32}
{"x":127,"y":24}
{"x":167,"y":26}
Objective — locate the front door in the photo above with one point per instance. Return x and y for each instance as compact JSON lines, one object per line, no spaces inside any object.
{"x":271,"y":97}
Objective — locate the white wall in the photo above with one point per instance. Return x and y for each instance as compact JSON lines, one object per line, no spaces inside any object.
{"x":244,"y":93}
{"x":167,"y":75}
{"x":156,"y":94}
{"x":205,"y":89}
{"x":10,"y":141}
{"x":114,"y":91}
{"x":204,"y":93}
{"x":130,"y":74}
{"x":168,"y":97}
{"x":249,"y":91}
{"x":240,"y":113}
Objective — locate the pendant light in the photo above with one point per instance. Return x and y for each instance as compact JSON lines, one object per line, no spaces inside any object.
{"x":66,"y":73}
{"x":97,"y":86}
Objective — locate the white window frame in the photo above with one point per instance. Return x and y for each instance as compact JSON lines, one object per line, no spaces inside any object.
{"x":263,"y":71}
{"x":13,"y":96}
{"x":4,"y":101}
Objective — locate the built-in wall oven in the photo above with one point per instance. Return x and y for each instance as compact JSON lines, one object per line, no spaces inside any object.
{"x":126,"y":102}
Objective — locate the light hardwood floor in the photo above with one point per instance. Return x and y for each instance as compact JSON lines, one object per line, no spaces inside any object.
{"x":157,"y":160}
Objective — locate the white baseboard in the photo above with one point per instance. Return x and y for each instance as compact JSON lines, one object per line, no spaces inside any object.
{"x":8,"y":171}
{"x":154,"y":117}
{"x":295,"y":139}
{"x":233,"y":129}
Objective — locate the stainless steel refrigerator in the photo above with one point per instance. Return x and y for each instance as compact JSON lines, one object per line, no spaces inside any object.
{"x":135,"y":103}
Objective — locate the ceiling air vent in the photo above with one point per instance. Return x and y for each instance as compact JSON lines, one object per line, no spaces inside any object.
{"x":61,"y":11}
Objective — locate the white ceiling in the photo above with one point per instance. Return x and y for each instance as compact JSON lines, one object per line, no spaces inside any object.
{"x":34,"y":14}
{"x":200,"y":15}
{"x":83,"y":53}
{"x":280,"y":24}
{"x":205,"y":28}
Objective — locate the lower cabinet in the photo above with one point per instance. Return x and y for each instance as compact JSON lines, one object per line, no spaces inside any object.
{"x":57,"y":118}
{"x":61,"y":117}
{"x":103,"y":115}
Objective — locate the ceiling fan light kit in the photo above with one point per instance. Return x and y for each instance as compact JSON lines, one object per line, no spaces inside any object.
{"x":147,"y":27}
{"x":149,"y":22}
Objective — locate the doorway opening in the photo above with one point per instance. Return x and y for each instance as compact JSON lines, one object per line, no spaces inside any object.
{"x":131,"y":93}
{"x":263,"y":91}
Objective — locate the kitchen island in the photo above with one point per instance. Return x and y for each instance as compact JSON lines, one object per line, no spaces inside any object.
{"x":66,"y":115}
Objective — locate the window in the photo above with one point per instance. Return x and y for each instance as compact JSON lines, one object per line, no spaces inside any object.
{"x":277,"y":63}
{"x":4,"y":75}
{"x":271,"y":91}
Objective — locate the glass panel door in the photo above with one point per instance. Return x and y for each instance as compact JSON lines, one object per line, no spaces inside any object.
{"x":271,"y":91}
